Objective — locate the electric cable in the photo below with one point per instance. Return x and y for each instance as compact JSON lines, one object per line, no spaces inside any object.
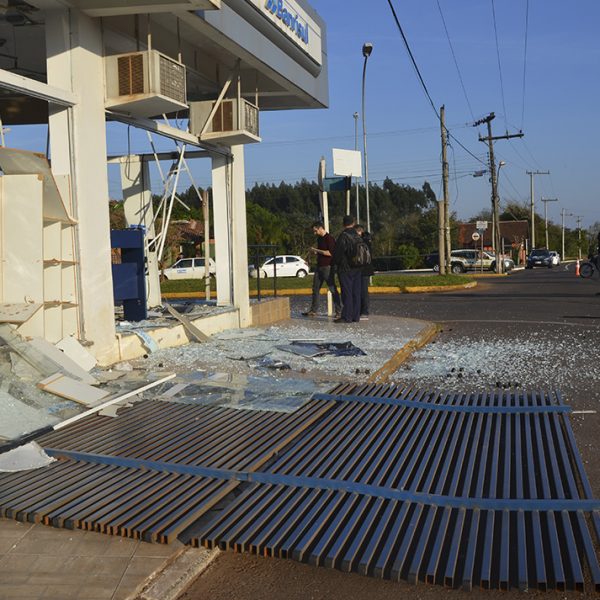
{"x":525,"y":63}
{"x":499,"y":65}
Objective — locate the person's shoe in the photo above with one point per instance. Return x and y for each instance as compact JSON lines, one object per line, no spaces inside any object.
{"x":309,"y":313}
{"x":364,"y":317}
{"x":338,"y":315}
{"x":340,"y":320}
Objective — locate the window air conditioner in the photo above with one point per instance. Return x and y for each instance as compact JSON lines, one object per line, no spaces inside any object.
{"x":144,"y":84}
{"x":235,"y":121}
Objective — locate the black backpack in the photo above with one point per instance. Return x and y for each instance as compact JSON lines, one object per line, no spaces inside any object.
{"x":358,"y":253}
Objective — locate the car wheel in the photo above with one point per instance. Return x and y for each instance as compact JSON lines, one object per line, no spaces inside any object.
{"x":301,"y":273}
{"x":436,"y":268}
{"x":457,"y":268}
{"x":586,"y":270}
{"x":263,"y":274}
{"x":493,"y":266}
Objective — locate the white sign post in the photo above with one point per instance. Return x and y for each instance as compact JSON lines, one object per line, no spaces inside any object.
{"x":347,"y":163}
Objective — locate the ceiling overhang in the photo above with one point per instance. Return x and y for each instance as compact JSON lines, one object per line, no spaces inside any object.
{"x":111,"y":8}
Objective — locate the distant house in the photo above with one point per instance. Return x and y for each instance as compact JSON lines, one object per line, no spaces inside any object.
{"x":512,"y":235}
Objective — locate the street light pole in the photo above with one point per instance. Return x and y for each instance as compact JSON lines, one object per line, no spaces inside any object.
{"x":356,"y":148}
{"x":545,"y":201}
{"x":366,"y":50}
{"x":532,"y":197}
{"x":563,"y":215}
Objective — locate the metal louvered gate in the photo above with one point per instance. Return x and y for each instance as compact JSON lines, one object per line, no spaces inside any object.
{"x":460,"y":490}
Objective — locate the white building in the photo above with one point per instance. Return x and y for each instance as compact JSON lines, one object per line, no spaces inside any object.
{"x":74,"y":64}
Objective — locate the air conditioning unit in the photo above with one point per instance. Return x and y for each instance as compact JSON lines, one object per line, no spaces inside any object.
{"x":144,"y":84}
{"x":235,"y":121}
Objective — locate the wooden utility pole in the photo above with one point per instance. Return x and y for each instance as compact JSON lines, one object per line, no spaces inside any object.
{"x":563,"y":213}
{"x":532,"y":201}
{"x":446,"y":221}
{"x":490,"y":139}
{"x":578,"y":237}
{"x":545,"y":201}
{"x":443,"y":226}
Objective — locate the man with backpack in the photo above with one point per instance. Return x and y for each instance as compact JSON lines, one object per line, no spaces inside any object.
{"x":367,"y":272}
{"x":350,"y":256}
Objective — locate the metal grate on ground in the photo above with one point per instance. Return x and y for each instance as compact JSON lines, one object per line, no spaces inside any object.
{"x":457,"y":489}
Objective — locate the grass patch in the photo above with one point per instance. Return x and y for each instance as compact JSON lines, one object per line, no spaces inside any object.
{"x":419,"y":280}
{"x":305,"y":283}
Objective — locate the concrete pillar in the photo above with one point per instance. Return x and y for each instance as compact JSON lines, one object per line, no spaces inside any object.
{"x":231,"y":245}
{"x":137,"y":202}
{"x":78,"y":149}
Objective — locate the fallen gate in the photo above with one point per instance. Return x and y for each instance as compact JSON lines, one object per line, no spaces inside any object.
{"x":462,"y":490}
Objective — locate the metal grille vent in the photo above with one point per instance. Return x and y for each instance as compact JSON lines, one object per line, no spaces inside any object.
{"x":172,"y":79}
{"x":131,"y":74}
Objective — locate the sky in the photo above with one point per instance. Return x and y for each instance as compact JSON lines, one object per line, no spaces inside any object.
{"x":549,"y":92}
{"x":551,"y":96}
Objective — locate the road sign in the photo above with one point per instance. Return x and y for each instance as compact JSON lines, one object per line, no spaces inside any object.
{"x":336,"y":184}
{"x":475,"y":236}
{"x":481,"y":225}
{"x":347,"y":162}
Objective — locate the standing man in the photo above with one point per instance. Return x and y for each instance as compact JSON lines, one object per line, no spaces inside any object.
{"x":366,"y":273}
{"x":349,"y":275}
{"x":325,"y":271}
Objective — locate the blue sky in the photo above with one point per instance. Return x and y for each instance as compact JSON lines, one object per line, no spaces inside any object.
{"x":558,"y":116}
{"x":561,"y":89}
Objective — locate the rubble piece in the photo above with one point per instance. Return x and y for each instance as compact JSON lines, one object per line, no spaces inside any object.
{"x":149,"y":343}
{"x":77,"y":353}
{"x":174,"y":390}
{"x":65,"y":364}
{"x":116,"y":400}
{"x":277,"y":365}
{"x":18,"y":313}
{"x":253,"y":357}
{"x":312,"y":349}
{"x":66,"y":387}
{"x":124,"y":367}
{"x":22,"y":369}
{"x":18,"y":418}
{"x":188,"y":325}
{"x":111,"y":411}
{"x":24,"y":458}
{"x":108,"y":376}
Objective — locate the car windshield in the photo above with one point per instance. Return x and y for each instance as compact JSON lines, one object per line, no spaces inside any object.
{"x":540,"y":253}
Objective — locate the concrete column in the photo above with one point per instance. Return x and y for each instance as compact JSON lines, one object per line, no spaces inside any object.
{"x":137,"y":202}
{"x":231,"y":245}
{"x":78,"y":149}
{"x":240,"y":237}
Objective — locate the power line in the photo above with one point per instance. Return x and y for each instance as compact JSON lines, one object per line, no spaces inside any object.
{"x":525,"y":62}
{"x":462,"y":83}
{"x":499,"y":65}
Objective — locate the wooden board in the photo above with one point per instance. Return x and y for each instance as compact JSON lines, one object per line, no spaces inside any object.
{"x":66,"y":387}
{"x":77,"y":353}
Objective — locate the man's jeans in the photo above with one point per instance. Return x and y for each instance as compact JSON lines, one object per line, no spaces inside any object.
{"x":325,"y":274}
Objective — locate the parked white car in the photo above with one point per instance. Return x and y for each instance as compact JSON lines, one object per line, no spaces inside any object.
{"x":555,"y":257}
{"x":286,"y":266}
{"x":189,"y":268}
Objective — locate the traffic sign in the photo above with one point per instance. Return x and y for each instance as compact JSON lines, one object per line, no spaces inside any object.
{"x":481,"y":225}
{"x":475,"y":236}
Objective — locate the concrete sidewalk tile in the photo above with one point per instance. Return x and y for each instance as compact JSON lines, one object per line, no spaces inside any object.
{"x":19,"y":592}
{"x":64,"y":592}
{"x":90,"y":543}
{"x":12,"y":529}
{"x":159,"y":550}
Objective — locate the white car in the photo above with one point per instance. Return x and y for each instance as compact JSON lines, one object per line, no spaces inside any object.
{"x":189,"y":268}
{"x":555,"y":257}
{"x":286,"y":266}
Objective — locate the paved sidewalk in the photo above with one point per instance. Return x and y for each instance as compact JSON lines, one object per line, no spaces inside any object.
{"x":38,"y":562}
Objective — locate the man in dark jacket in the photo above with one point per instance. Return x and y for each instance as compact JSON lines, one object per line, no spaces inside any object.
{"x":366,"y":273}
{"x":349,"y":275}
{"x":324,"y":271}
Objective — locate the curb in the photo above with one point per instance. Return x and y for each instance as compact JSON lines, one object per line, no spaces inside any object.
{"x":176,"y":574}
{"x":372,"y":290}
{"x":391,"y":366}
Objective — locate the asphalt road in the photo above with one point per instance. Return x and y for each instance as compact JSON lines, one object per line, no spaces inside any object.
{"x":534,"y":329}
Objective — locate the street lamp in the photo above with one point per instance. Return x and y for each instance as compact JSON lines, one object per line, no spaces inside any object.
{"x":366,"y":51}
{"x":356,"y":148}
{"x":564,"y":214}
{"x":496,"y":222}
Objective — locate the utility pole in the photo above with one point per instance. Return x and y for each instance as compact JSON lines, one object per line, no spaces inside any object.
{"x":446,"y":210}
{"x":578,"y":237}
{"x":562,"y":215}
{"x":495,"y":212}
{"x":532,"y":198}
{"x":356,"y":148}
{"x":545,"y":201}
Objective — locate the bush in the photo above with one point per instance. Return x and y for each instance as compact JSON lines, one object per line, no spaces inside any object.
{"x":410,"y":256}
